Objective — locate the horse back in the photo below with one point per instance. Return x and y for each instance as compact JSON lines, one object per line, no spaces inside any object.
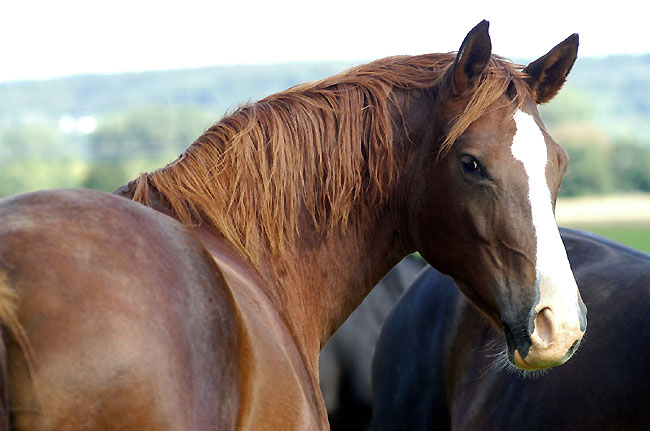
{"x":128,"y":321}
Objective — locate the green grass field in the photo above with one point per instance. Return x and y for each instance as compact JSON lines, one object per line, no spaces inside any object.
{"x":623,"y":218}
{"x":632,"y":234}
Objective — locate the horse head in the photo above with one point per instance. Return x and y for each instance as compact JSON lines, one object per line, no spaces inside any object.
{"x":489,"y":175}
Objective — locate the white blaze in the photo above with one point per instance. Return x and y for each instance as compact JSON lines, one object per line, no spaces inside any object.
{"x":557,"y":286}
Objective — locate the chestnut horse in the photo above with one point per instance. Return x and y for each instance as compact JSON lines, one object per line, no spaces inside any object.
{"x":437,"y":364}
{"x":199,"y":296}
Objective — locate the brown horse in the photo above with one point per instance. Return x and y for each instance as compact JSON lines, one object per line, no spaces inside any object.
{"x":202,"y":300}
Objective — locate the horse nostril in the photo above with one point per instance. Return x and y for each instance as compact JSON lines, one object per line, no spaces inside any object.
{"x":544,"y":325}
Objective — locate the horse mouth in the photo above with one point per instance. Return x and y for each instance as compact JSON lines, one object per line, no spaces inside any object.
{"x":520,"y":363}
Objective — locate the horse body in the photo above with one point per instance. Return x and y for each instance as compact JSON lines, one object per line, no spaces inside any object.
{"x":290,"y":210}
{"x":180,"y":328}
{"x":124,"y":311}
{"x":436,"y":369}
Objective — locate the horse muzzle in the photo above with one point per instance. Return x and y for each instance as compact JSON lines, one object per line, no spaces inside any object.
{"x":552,"y":341}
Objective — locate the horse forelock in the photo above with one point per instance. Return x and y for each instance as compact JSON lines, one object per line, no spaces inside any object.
{"x":325,"y":147}
{"x":501,"y":76}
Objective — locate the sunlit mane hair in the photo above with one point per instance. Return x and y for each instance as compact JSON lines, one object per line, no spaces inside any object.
{"x":325,"y":147}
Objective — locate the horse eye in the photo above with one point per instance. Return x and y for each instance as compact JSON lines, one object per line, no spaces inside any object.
{"x":470,"y":165}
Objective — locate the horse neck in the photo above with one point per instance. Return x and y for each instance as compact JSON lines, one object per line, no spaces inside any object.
{"x":322,"y":277}
{"x":325,"y":277}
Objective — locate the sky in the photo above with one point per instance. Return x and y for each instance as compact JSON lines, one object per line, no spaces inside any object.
{"x":42,"y":39}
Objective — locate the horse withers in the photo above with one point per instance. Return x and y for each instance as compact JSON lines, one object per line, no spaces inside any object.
{"x":439,"y":365}
{"x":202,"y":300}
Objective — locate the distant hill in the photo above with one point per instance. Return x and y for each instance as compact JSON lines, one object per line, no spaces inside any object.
{"x":101,"y":130}
{"x":616,"y":90}
{"x":217,"y":89}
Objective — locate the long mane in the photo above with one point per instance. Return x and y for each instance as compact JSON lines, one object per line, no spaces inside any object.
{"x":322,"y":150}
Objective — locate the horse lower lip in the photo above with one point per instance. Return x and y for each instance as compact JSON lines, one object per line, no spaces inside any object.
{"x":520,"y":363}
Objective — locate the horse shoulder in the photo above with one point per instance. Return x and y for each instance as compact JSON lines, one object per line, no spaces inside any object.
{"x":279,"y":391}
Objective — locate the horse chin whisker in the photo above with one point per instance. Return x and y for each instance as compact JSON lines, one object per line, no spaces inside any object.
{"x":492,"y":345}
{"x":525,"y":374}
{"x":501,"y":362}
{"x":499,"y":356}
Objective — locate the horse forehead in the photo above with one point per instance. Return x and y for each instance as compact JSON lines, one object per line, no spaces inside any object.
{"x":493,"y":129}
{"x":529,"y":143}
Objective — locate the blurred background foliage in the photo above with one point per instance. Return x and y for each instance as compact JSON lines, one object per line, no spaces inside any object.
{"x":602,"y":118}
{"x":100,"y":131}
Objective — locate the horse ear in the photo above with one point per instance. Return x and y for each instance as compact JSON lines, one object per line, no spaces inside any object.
{"x":472,"y":57}
{"x":547,"y":74}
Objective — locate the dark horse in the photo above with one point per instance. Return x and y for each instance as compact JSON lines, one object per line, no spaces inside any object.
{"x":344,"y":363}
{"x":200,"y":294}
{"x":436,"y":369}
